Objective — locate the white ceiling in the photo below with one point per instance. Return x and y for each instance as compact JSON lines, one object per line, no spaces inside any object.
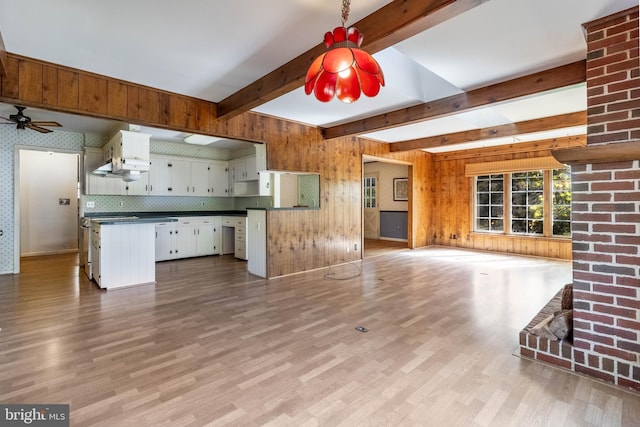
{"x":211,"y":49}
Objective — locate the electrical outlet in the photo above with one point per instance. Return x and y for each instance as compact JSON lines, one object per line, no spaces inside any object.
{"x":203,"y":204}
{"x":91,"y":204}
{"x":120,"y":203}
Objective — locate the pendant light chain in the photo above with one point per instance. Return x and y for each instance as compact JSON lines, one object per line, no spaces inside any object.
{"x":345,"y":11}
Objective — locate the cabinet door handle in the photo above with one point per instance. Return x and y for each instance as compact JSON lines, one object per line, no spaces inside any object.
{"x":170,"y":189}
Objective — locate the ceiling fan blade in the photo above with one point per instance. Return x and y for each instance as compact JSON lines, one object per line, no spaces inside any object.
{"x":9,"y":120}
{"x":43,"y":123}
{"x":38,"y":128}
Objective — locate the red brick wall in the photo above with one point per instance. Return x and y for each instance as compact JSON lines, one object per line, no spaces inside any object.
{"x":606,"y":271}
{"x":606,"y":210}
{"x":613,"y":79}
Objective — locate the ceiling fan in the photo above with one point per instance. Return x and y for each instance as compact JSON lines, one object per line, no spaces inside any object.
{"x":23,"y":122}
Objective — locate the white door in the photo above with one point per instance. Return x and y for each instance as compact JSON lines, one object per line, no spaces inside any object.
{"x":48,"y":202}
{"x":370,"y":194}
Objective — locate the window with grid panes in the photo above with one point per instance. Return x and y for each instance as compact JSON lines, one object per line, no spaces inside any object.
{"x":370,"y":192}
{"x":489,"y":203}
{"x":561,"y":199}
{"x":525,"y":210}
{"x":527,"y":202}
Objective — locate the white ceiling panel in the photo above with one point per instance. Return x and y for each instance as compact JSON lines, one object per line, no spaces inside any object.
{"x":525,"y":137}
{"x":502,"y":39}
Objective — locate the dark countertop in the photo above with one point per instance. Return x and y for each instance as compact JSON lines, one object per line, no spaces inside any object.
{"x":125,"y":220}
{"x":287,"y":209}
{"x":163,"y":215}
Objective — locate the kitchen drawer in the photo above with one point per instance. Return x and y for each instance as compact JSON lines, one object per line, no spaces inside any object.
{"x":241,"y":252}
{"x":241,"y":234}
{"x":234,"y":221}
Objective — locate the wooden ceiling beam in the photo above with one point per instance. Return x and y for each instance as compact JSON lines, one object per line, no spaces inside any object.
{"x":385,"y":27}
{"x":511,"y":129}
{"x":554,"y":78}
{"x":3,"y":57}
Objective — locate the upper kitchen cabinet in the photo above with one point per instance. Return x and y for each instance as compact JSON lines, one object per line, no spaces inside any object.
{"x":218,"y":179}
{"x":169,"y":176}
{"x":244,"y":172}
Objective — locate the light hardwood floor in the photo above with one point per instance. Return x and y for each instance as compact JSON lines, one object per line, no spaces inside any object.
{"x":212,"y":345}
{"x":375,"y":247}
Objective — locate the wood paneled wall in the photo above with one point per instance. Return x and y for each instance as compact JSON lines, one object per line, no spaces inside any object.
{"x":299,"y":240}
{"x":454,"y":201}
{"x":41,"y":84}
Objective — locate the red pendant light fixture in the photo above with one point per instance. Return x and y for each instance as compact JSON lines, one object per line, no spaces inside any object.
{"x":344,"y":70}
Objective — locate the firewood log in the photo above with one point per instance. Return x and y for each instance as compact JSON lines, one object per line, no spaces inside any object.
{"x":542,"y":329}
{"x":562,"y":324}
{"x":567,"y":297}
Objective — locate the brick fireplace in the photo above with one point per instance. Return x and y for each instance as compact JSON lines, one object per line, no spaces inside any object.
{"x":605,"y":214}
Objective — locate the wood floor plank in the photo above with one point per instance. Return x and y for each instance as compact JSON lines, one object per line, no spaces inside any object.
{"x":210,"y":344}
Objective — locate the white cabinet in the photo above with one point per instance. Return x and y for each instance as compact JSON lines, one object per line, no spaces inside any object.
{"x":218,"y":179}
{"x":179,"y":177}
{"x":239,"y":168}
{"x":265,"y":183}
{"x":199,"y":178}
{"x":244,"y":173}
{"x":261,"y":157}
{"x":188,"y":237}
{"x":173,"y":176}
{"x":209,"y":236}
{"x":127,"y":151}
{"x":139,"y":187}
{"x":239,"y":224}
{"x":123,"y":254}
{"x":257,"y":242}
{"x":166,"y":241}
{"x":169,"y":176}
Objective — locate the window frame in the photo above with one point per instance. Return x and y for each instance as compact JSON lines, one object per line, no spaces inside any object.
{"x":547,"y":203}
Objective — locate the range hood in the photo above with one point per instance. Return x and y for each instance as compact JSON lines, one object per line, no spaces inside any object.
{"x":126,"y":156}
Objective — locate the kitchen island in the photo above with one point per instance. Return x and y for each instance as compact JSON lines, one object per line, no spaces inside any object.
{"x":123,"y":251}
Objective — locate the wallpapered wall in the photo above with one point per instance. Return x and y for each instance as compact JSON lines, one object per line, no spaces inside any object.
{"x":10,"y":137}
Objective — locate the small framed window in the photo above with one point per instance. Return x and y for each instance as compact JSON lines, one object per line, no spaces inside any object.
{"x":489,"y":203}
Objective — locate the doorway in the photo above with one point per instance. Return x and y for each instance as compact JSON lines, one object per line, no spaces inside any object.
{"x":386,"y":209}
{"x":48,"y":191}
{"x":371,"y":219}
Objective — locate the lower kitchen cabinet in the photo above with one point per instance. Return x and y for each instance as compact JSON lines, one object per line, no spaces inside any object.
{"x":188,"y":237}
{"x":257,"y":242}
{"x":123,"y":254}
{"x":239,"y":223}
{"x":166,"y":241}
